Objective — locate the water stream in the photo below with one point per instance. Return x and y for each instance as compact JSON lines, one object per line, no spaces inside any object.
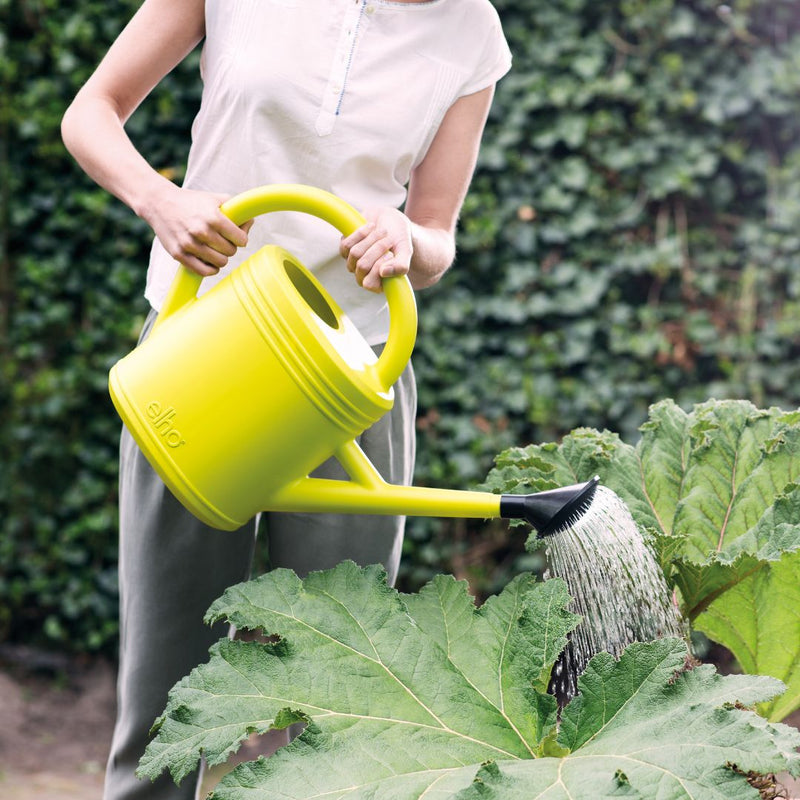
{"x":617,"y":585}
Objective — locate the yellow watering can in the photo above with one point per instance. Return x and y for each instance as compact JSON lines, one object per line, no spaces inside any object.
{"x":237,"y":396}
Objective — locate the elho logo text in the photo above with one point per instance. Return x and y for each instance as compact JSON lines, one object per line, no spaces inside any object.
{"x":162,"y":420}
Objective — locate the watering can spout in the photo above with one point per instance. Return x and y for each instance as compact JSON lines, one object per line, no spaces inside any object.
{"x":551,"y":511}
{"x":366,"y":492}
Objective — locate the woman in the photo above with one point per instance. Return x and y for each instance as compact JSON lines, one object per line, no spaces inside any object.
{"x":382,"y":103}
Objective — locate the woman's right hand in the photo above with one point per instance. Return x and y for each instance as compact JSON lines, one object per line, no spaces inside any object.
{"x":193,"y":230}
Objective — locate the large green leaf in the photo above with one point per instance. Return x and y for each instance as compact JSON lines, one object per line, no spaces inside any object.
{"x":718,"y":489}
{"x":428,"y":696}
{"x":379,"y":664}
{"x":759,"y":620}
{"x":638,"y":731}
{"x":708,"y":478}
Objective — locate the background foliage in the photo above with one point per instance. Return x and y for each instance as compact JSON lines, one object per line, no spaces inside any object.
{"x":631,"y":234}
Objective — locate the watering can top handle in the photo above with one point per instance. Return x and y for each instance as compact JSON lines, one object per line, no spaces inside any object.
{"x":340,"y":214}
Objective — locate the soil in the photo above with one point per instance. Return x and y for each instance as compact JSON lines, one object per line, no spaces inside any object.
{"x":56,"y":717}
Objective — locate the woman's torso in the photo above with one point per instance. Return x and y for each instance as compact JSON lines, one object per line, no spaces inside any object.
{"x":345,"y":95}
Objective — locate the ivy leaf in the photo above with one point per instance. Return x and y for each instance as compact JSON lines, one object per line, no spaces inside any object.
{"x":411,"y":696}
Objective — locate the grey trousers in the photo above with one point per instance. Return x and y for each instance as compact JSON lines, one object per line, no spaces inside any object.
{"x":172,"y":567}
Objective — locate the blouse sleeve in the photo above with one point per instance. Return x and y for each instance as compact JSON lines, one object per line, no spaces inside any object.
{"x":495,"y":61}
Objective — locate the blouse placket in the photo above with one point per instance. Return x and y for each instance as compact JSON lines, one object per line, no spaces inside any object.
{"x":352,"y":22}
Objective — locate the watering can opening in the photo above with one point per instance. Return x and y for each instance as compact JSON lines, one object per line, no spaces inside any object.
{"x":345,"y":352}
{"x":311,"y":294}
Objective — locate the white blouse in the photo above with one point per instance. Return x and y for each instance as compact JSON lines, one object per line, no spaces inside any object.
{"x":345,"y":95}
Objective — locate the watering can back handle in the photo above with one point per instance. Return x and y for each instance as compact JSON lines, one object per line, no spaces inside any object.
{"x":340,"y":214}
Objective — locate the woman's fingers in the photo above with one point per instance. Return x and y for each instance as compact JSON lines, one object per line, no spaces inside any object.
{"x":379,"y":249}
{"x":196,"y":233}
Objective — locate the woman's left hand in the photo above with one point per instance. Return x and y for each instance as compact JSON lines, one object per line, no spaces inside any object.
{"x":380,"y":249}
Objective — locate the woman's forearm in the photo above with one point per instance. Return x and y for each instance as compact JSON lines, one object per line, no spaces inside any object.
{"x":434,"y":250}
{"x":189,"y":224}
{"x":94,"y":134}
{"x":158,"y":37}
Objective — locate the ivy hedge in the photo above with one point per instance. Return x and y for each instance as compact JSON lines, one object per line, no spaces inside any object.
{"x":631,"y":234}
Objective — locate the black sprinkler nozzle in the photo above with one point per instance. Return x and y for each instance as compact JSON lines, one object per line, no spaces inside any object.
{"x":551,"y":511}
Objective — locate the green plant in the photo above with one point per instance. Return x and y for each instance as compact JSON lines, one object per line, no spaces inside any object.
{"x":717,"y":489}
{"x":631,"y":234}
{"x":423,"y":695}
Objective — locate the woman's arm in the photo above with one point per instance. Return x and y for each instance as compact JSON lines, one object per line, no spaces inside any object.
{"x":189,"y":224}
{"x":421,"y":242}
